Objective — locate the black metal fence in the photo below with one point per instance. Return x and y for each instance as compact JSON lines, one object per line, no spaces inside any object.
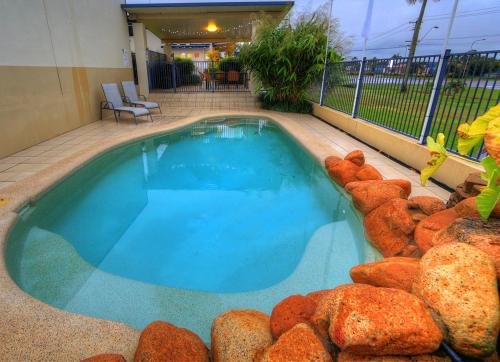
{"x":421,"y":96}
{"x":186,"y":75}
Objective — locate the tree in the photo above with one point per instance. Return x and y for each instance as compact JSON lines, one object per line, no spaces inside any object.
{"x":414,"y":40}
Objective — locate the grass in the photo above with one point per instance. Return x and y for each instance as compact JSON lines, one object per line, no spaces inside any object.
{"x":404,"y":112}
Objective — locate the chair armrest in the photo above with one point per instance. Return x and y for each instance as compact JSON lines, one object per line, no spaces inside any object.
{"x":107,"y":105}
{"x":126,"y":99}
{"x":144,"y":97}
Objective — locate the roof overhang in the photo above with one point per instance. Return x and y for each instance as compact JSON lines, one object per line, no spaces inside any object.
{"x":186,"y":22}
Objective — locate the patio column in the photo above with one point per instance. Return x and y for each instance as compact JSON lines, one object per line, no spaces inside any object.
{"x":141,"y":58}
{"x":252,"y":83}
{"x":167,"y":49}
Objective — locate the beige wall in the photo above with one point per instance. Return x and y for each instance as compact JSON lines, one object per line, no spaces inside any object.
{"x":407,"y":150}
{"x":153,"y":42}
{"x":53,"y":56}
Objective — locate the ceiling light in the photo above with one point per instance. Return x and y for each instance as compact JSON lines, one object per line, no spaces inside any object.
{"x":212,"y":27}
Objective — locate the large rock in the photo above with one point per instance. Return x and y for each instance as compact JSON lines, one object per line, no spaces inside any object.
{"x":349,"y":357}
{"x":328,"y":302}
{"x":357,"y":157}
{"x":474,"y":231}
{"x":162,"y":341}
{"x":343,"y":172}
{"x":105,"y":357}
{"x":390,"y":227}
{"x":396,"y":272}
{"x":428,"y":227}
{"x":238,"y":335}
{"x":367,"y":320}
{"x":404,"y":184}
{"x":318,"y":295}
{"x":290,"y":311}
{"x":368,"y":172}
{"x":427,"y":204}
{"x":458,"y":284}
{"x":368,"y":198}
{"x":331,"y":161}
{"x":298,"y":344}
{"x":468,"y":207}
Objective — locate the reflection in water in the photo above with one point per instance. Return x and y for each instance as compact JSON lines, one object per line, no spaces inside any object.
{"x":232,"y":213}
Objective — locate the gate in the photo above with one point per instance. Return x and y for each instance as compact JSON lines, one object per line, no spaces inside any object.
{"x":186,"y":75}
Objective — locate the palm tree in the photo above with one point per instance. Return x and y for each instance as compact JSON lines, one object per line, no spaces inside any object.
{"x":414,"y":40}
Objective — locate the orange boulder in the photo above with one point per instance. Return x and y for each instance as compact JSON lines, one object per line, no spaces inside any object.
{"x":404,"y":184}
{"x":368,"y":172}
{"x":368,"y":198}
{"x":458,"y":283}
{"x":290,"y":311}
{"x":427,"y":204}
{"x":343,"y":172}
{"x":357,"y":157}
{"x":474,"y":231}
{"x":349,"y":357}
{"x":328,"y":303}
{"x":467,"y":207}
{"x":428,"y":227}
{"x":298,"y":344}
{"x":396,"y":272}
{"x":318,"y":295}
{"x":105,"y":357}
{"x":382,"y":321}
{"x":239,"y":335}
{"x":331,"y":161}
{"x":162,"y":341}
{"x":390,"y":227}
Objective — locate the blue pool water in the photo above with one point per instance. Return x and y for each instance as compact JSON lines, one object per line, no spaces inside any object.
{"x":225,"y":214}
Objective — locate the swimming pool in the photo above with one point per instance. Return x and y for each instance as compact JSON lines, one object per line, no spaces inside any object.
{"x":225,"y":214}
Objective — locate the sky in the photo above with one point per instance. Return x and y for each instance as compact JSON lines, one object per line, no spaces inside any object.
{"x":391,"y":28}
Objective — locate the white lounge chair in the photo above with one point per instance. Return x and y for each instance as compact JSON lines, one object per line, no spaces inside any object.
{"x":114,"y":102}
{"x":132,"y":98}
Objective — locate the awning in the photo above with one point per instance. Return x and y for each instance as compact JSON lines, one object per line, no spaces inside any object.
{"x":217,"y":21}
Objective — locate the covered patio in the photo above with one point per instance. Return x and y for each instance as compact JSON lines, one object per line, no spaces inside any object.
{"x":185,"y":25}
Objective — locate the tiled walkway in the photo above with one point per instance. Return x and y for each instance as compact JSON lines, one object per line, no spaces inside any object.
{"x":177,"y":106}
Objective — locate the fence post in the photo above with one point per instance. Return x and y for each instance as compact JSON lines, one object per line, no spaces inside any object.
{"x":359,"y":86}
{"x":323,"y":85}
{"x":214,"y":83}
{"x":174,"y":77}
{"x":436,"y":88}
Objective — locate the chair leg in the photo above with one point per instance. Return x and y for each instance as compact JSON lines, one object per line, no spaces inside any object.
{"x":151,"y":117}
{"x":116,"y":118}
{"x":159,"y":109}
{"x":135,"y":119}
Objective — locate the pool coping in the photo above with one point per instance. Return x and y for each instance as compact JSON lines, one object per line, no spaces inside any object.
{"x":32,"y":330}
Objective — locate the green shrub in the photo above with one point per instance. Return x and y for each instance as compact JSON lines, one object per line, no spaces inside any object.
{"x":286,"y":59}
{"x":186,"y":65}
{"x":230,"y":63}
{"x":302,"y":106}
{"x":185,"y":70}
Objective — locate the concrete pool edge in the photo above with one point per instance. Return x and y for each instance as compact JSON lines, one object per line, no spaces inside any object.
{"x":33,"y":330}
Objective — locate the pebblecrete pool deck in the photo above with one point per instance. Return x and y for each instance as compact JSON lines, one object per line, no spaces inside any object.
{"x":31,"y":330}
